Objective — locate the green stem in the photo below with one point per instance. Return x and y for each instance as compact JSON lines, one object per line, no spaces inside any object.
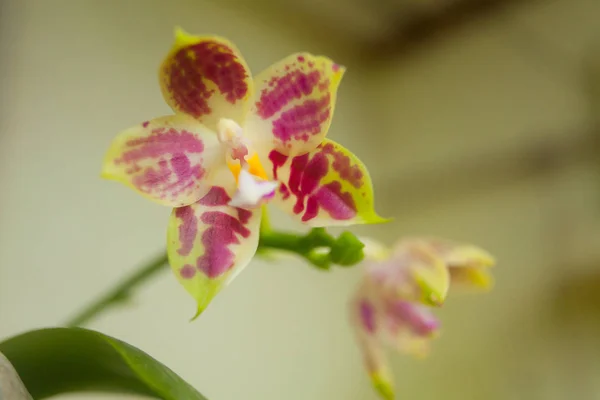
{"x":309,"y":247}
{"x":120,"y":292}
{"x":280,"y":241}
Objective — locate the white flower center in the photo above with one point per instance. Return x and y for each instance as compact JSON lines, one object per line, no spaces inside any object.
{"x":253,"y":188}
{"x":232,"y":136}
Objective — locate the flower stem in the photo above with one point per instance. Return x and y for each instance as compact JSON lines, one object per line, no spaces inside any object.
{"x":121,"y":292}
{"x":315,"y":247}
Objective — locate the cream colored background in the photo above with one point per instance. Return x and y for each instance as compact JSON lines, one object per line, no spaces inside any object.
{"x":74,"y":73}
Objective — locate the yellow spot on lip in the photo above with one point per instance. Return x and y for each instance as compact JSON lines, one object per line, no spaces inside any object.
{"x":254,"y":164}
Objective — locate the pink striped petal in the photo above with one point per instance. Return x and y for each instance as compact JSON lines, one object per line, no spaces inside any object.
{"x":328,"y":186}
{"x":168,"y":160}
{"x":413,"y":273}
{"x":294,"y":103}
{"x":417,"y":318}
{"x":206,"y":77}
{"x":367,"y":323}
{"x":410,"y":327}
{"x":210,"y":242}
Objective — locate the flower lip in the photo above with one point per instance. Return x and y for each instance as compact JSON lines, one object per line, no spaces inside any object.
{"x":239,"y":152}
{"x":252,"y":192}
{"x":253,"y":188}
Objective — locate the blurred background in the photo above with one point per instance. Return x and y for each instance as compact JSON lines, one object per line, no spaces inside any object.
{"x":478,"y":119}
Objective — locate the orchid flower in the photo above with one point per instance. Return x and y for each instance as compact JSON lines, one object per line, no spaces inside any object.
{"x":393,"y":303}
{"x":233,"y":145}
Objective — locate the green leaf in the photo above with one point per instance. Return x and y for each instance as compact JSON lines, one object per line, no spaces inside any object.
{"x":61,"y":360}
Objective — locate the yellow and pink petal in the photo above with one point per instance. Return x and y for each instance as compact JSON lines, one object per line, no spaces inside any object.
{"x":207,"y":78}
{"x":459,"y":254}
{"x":418,"y":268}
{"x":210,"y":242}
{"x":469,"y":265}
{"x":294,"y":103}
{"x":471,"y":278}
{"x":410,"y":327}
{"x":416,"y":318}
{"x":366,"y":320}
{"x":168,"y":160}
{"x":326,"y":187}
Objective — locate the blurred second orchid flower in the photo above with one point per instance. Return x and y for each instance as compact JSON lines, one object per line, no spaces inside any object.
{"x":393,"y":302}
{"x":234,"y":144}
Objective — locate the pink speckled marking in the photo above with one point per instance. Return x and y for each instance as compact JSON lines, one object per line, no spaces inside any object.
{"x":367,"y":315}
{"x":324,"y":85}
{"x":339,"y":205}
{"x":191,"y":66}
{"x":420,"y":323}
{"x":301,"y":59}
{"x":183,"y":168}
{"x":188,"y":229}
{"x":222,"y":233}
{"x":312,"y":209}
{"x":159,"y":164}
{"x":292,"y":85}
{"x":303,"y":121}
{"x":285,"y":192}
{"x":342,"y":165}
{"x":187,"y":272}
{"x":315,"y":170}
{"x":160,"y":142}
{"x":151,"y":178}
{"x":278,"y":160}
{"x":306,"y":173}
{"x":244,"y":215}
{"x":133,"y":170}
{"x":335,"y":67}
{"x":296,"y":171}
{"x":145,"y":124}
{"x":216,"y":196}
